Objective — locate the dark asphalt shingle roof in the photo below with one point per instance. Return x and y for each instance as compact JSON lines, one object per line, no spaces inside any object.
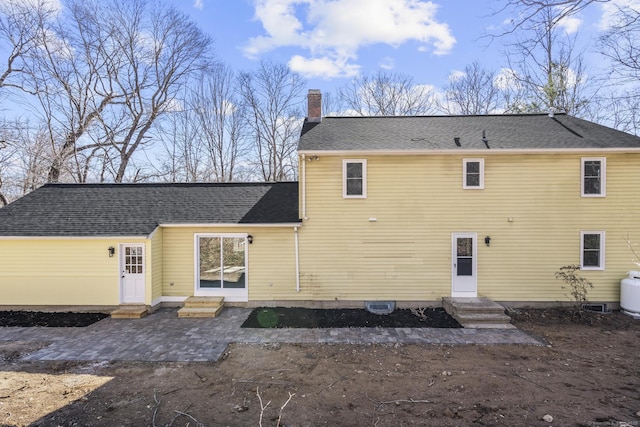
{"x":137,"y":209}
{"x":526,"y":131}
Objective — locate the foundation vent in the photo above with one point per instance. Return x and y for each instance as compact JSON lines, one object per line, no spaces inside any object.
{"x":380,"y":307}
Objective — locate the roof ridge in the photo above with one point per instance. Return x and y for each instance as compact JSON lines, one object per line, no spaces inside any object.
{"x":447,"y":116}
{"x":166,"y":184}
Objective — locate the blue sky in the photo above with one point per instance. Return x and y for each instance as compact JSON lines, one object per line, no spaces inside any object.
{"x":330,"y":41}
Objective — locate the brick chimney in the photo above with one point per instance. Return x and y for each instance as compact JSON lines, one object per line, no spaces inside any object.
{"x":314,"y":105}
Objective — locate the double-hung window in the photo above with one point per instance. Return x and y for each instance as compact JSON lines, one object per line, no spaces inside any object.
{"x":592,"y":250}
{"x":593,"y":176}
{"x":473,"y":174}
{"x":354,"y":178}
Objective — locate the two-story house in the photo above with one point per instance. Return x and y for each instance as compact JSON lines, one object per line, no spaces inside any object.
{"x":417,"y":208}
{"x":404,"y":209}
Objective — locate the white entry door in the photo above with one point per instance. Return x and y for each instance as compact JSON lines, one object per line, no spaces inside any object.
{"x":464,"y":265}
{"x":132,"y":271}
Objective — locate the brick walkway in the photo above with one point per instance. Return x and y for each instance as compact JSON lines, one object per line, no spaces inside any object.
{"x":161,"y":336}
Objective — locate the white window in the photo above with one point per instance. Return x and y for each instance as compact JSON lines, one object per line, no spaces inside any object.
{"x":592,"y":250}
{"x":593,"y":176}
{"x":473,"y":174}
{"x":354,"y":178}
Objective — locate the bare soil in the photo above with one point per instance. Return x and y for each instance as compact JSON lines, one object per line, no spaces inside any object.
{"x":586,"y":374}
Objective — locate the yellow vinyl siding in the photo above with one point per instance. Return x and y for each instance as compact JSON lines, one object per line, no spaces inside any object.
{"x":271,"y":261}
{"x":418,"y":201}
{"x":60,"y":272}
{"x":156,"y":262}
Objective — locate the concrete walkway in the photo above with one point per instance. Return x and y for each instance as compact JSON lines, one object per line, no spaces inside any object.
{"x":161,"y":336}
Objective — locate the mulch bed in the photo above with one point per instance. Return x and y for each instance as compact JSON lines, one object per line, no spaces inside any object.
{"x":53,"y":320}
{"x":281,"y":317}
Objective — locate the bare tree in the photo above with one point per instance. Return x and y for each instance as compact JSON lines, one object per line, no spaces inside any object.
{"x":103,"y":73}
{"x":387,"y":94}
{"x":545,"y":63}
{"x":184,"y":156}
{"x":220,"y":113}
{"x":7,"y":151}
{"x":524,"y":14}
{"x":474,"y":91}
{"x":158,"y":51}
{"x":621,"y":44}
{"x":619,"y":111}
{"x":272,"y":96}
{"x":67,"y":72}
{"x":21,"y":23}
{"x":24,"y":159}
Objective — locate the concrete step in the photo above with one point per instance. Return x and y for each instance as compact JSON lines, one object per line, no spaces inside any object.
{"x":204,"y":302}
{"x":489,"y":326}
{"x":475,"y":305}
{"x":469,"y":317}
{"x":199,"y":311}
{"x":477,"y":313}
{"x":130,"y":312}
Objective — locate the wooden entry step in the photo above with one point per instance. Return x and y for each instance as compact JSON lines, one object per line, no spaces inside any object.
{"x":130,"y":311}
{"x":477,"y":313}
{"x":201,"y":307}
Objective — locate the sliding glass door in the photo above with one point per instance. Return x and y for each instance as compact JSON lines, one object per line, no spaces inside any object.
{"x":221,"y":266}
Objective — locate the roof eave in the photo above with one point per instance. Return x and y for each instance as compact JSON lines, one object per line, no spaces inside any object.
{"x":232,"y":225}
{"x":398,"y":152}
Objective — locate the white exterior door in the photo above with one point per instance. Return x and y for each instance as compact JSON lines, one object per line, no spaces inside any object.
{"x":464,"y":263}
{"x":132,"y":269}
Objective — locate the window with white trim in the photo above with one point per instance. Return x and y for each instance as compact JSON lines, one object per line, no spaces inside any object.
{"x":354,"y":178}
{"x":592,"y":250}
{"x":473,"y":174}
{"x":593,"y":176}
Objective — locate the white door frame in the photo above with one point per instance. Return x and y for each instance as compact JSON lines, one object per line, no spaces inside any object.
{"x":229,"y":294}
{"x":464,"y":285}
{"x":132,"y":286}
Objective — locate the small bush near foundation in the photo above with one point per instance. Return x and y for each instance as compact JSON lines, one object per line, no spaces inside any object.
{"x":577,"y":286}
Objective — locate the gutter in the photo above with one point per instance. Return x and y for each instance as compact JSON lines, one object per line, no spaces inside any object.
{"x":457,"y":152}
{"x":303,"y":188}
{"x":297,"y":247}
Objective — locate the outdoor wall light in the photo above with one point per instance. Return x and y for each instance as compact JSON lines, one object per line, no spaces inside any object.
{"x":112,"y":251}
{"x":250,"y":239}
{"x":487,"y":240}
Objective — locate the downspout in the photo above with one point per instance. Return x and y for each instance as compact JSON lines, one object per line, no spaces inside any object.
{"x":295,"y":239}
{"x":304,"y":187}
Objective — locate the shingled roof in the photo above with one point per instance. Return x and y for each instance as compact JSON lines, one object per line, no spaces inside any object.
{"x":137,"y":209}
{"x":502,"y":132}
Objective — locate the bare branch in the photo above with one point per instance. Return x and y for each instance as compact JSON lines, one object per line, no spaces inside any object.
{"x":387,"y":94}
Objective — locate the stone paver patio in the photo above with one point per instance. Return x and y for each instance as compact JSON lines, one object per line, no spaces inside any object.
{"x":161,"y":336}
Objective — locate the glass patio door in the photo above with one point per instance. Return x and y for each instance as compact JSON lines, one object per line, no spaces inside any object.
{"x":221,"y":266}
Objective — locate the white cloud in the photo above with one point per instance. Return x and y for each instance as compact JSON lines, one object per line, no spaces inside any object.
{"x":333,"y":31}
{"x":322,"y":67}
{"x":198,"y":4}
{"x":387,"y":63}
{"x":610,"y":9}
{"x":506,"y":79}
{"x":570,"y":24}
{"x":456,"y":75}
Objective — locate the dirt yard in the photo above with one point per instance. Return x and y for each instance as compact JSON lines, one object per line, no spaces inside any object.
{"x":588,"y":374}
